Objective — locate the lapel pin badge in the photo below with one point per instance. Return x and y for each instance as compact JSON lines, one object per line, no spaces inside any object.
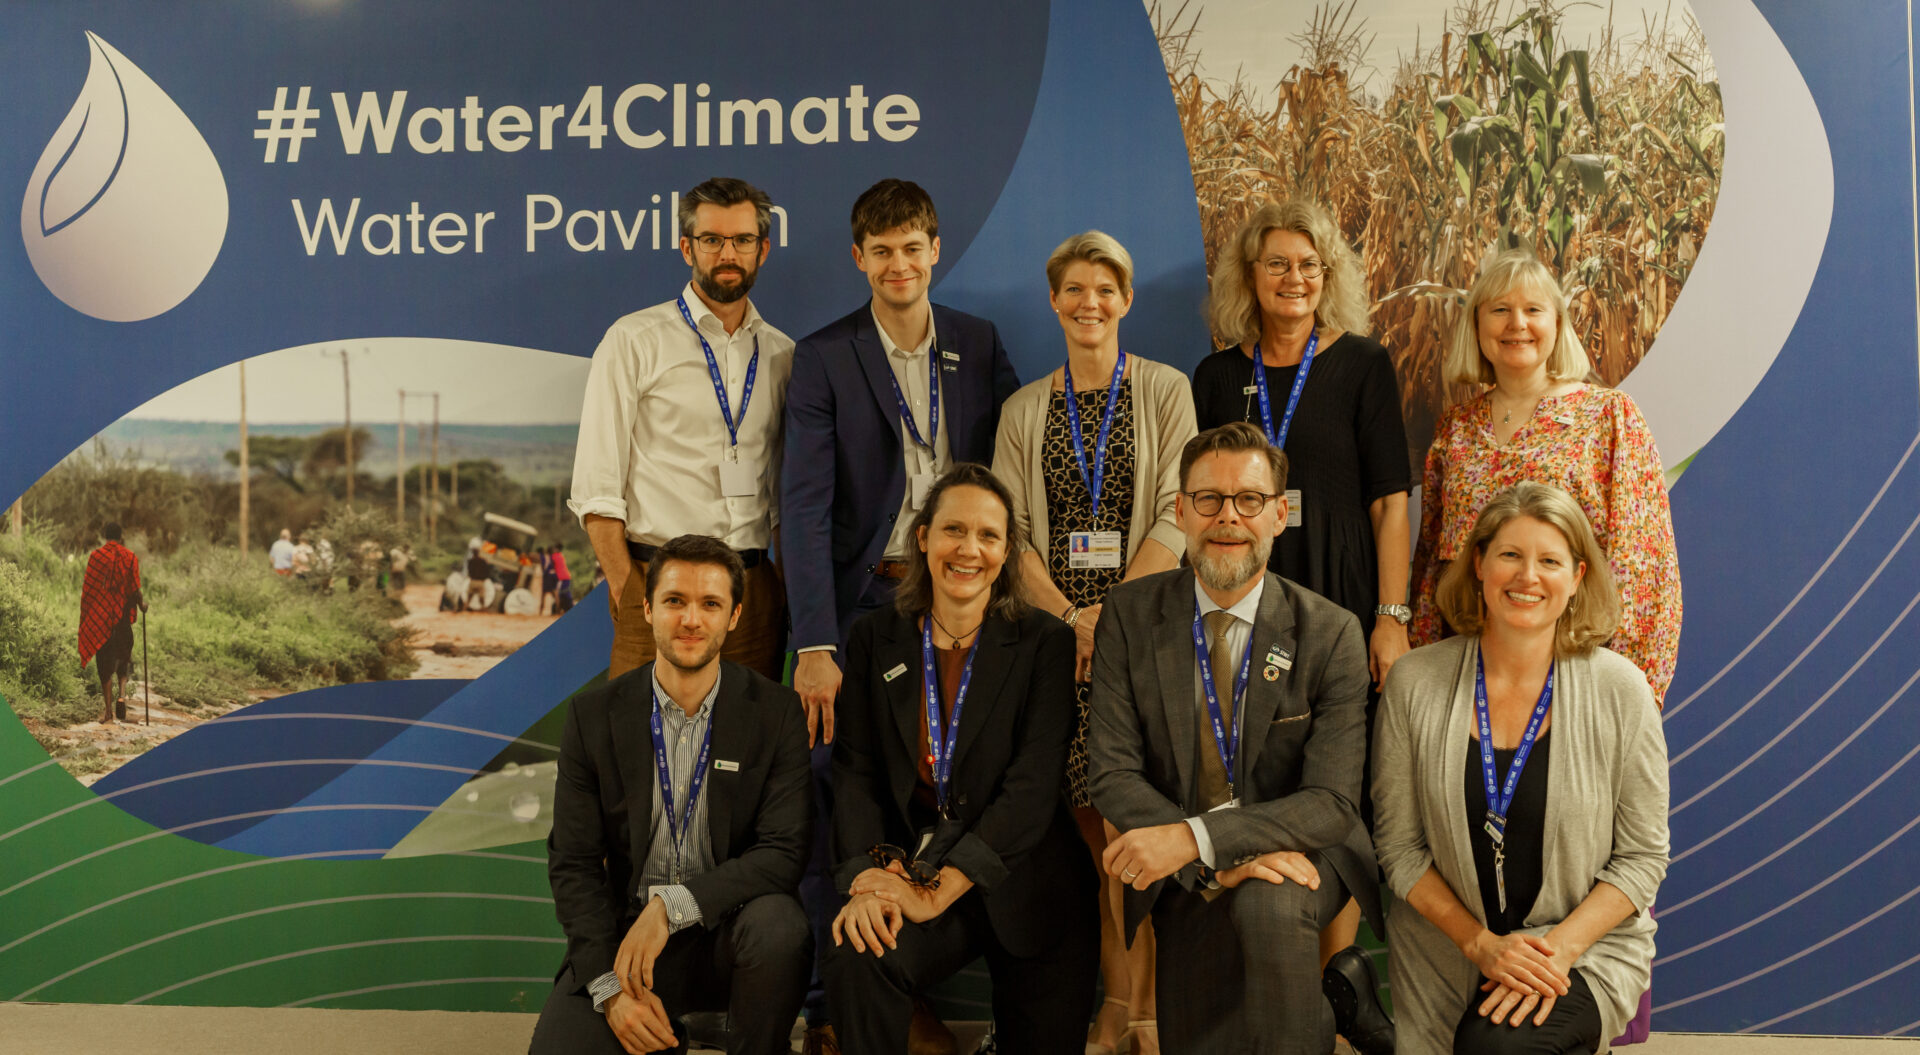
{"x":1272,"y":673}
{"x":950,"y":354}
{"x":898,"y":669}
{"x":725,"y":766}
{"x":1281,"y":658}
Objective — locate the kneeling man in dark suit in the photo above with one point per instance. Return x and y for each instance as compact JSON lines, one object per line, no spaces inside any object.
{"x":1226,"y":739}
{"x":682,"y":818}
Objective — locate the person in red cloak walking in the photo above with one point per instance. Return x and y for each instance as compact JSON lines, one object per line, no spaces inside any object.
{"x":110,"y":602}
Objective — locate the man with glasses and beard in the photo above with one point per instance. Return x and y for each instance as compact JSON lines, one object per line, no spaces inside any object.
{"x":1226,"y":739}
{"x":680,"y":431}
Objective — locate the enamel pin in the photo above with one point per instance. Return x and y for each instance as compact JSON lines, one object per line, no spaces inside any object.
{"x":898,"y":669}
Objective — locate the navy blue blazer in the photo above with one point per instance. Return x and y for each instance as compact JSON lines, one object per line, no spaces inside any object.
{"x":845,"y":475}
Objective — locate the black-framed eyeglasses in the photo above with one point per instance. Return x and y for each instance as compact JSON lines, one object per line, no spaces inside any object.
{"x":711,"y":243}
{"x":1249,"y":503}
{"x":919,"y":873}
{"x":1280,"y":265}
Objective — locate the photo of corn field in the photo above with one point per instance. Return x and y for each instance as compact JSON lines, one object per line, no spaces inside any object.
{"x":1496,"y":128}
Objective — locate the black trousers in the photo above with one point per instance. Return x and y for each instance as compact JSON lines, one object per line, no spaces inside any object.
{"x":1041,"y":1003}
{"x":753,"y":965}
{"x":1240,"y":975}
{"x":1572,"y":1026}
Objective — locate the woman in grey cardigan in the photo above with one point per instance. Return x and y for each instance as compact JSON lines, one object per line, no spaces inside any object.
{"x":1521,"y":804}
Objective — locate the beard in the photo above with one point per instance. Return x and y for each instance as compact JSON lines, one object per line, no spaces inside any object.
{"x":664,"y":650}
{"x":721,"y":294}
{"x":1226,"y":573}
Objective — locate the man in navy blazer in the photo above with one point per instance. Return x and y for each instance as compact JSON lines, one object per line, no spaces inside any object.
{"x":879,"y":403}
{"x":854,"y":464}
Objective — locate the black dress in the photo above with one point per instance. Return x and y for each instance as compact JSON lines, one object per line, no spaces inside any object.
{"x":1347,"y":447}
{"x":1070,"y":509}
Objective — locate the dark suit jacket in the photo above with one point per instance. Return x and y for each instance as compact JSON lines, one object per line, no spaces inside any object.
{"x":1302,"y":742}
{"x":844,"y":474}
{"x":759,"y":817}
{"x":1012,"y":833}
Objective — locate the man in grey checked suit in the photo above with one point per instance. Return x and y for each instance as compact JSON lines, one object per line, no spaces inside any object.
{"x":1241,"y":852}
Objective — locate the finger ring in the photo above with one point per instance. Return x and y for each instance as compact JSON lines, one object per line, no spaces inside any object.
{"x":1129,"y":876}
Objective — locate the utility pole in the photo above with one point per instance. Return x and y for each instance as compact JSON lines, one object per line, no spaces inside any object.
{"x":346,"y":391}
{"x":433,"y":518}
{"x":400,"y":463}
{"x":246,"y":472}
{"x":423,"y":484}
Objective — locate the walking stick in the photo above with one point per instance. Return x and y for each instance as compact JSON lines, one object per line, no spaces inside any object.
{"x":146,"y":672}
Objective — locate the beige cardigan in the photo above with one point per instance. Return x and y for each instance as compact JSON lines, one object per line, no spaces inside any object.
{"x":1162,"y":424}
{"x":1606,"y":820}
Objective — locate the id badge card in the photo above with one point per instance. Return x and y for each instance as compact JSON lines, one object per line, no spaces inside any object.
{"x":738,"y":479}
{"x":919,"y":486}
{"x":1293,"y":507}
{"x":1093,"y":549}
{"x":1230,"y":804}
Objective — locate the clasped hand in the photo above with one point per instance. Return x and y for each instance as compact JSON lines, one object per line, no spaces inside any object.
{"x":1525,"y":974}
{"x":638,"y":1018}
{"x":1276,"y":867}
{"x":1144,"y":856}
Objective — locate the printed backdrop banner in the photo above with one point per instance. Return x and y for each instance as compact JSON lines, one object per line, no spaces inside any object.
{"x":204,"y":183}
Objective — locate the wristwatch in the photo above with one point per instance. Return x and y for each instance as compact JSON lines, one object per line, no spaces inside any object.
{"x":1399,"y":612}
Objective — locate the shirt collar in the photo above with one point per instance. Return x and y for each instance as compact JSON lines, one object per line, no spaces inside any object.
{"x":665,"y":702}
{"x":895,"y":351}
{"x":701,"y":313}
{"x":1244,"y":610}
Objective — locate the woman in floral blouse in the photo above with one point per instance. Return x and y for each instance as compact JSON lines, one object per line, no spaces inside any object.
{"x":1543,"y":420}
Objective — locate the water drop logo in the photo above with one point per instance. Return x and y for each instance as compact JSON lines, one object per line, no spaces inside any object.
{"x":126,"y":209}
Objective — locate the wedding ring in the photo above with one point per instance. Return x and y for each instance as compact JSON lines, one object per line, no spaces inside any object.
{"x":1130,"y":876}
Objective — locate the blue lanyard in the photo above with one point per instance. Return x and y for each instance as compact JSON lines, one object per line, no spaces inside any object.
{"x":1500,"y":797}
{"x":713,"y":371}
{"x":678,"y":831}
{"x":940,"y":741}
{"x":1229,"y":747}
{"x":1279,"y":439}
{"x":933,"y":401}
{"x":1097,"y":476}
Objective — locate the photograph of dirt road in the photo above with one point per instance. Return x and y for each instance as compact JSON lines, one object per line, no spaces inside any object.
{"x":422,"y":546}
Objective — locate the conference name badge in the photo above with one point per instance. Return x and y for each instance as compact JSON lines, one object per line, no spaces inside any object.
{"x":1293,"y":507}
{"x":898,"y":669}
{"x":739,"y":479}
{"x":1093,"y":549}
{"x":725,"y":766}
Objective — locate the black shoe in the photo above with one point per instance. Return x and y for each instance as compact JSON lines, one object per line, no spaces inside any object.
{"x":1354,"y":991}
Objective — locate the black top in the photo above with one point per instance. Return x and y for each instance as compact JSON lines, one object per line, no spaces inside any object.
{"x":1347,"y":447}
{"x":1526,"y":832}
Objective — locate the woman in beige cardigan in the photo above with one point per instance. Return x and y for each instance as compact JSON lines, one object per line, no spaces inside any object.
{"x":1091,"y":453}
{"x":1521,"y":808}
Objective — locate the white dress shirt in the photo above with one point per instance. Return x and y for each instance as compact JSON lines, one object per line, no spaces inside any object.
{"x":652,"y":436}
{"x":910,"y":372}
{"x":1243,"y":613}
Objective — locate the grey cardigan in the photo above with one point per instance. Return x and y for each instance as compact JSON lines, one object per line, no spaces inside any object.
{"x":1162,"y":424}
{"x":1606,"y":820}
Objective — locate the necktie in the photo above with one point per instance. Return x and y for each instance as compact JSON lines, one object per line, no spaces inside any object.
{"x":1213,"y":774}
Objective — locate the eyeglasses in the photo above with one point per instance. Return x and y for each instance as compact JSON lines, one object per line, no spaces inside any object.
{"x":919,"y":873}
{"x":711,"y":243}
{"x":1280,"y":265}
{"x":1249,"y":503}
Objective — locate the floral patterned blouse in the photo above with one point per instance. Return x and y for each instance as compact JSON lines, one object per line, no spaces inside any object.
{"x":1593,"y":443}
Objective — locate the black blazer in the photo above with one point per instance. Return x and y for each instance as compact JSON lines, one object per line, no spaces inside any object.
{"x":759,"y":816}
{"x":843,"y":475}
{"x":1012,"y":833}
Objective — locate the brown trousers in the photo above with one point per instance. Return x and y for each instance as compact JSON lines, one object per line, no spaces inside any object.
{"x":757,"y":643}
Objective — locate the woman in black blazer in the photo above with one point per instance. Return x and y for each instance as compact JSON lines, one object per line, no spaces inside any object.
{"x":957,"y":844}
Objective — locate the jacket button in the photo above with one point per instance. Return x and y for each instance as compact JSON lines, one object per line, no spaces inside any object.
{"x":869,"y":567}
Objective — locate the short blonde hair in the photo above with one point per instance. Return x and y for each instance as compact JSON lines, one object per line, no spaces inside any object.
{"x":1232,"y":309}
{"x":1593,"y":612}
{"x":1500,"y":273}
{"x":1094,"y":247}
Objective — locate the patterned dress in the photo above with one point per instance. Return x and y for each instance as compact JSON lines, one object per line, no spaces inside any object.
{"x":1593,"y":443}
{"x":1070,"y":509}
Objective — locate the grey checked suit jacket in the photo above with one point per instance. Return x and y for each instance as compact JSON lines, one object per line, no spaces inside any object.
{"x":1302,"y":742}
